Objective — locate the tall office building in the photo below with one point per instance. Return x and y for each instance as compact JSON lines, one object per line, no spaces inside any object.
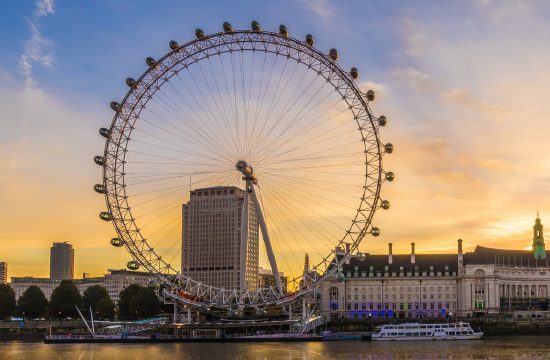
{"x":3,"y":272}
{"x":61,"y":261}
{"x":211,"y":246}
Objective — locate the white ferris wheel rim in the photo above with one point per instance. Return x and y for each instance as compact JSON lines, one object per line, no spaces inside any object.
{"x":128,"y":112}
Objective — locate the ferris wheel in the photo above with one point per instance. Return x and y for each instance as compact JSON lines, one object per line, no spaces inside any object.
{"x":267,"y":116}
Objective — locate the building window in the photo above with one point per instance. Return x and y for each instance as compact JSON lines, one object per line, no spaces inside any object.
{"x":333,"y":293}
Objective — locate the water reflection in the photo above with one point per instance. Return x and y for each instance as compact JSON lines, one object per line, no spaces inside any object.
{"x":496,"y":348}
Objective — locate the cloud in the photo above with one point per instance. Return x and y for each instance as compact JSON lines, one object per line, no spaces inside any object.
{"x":38,"y":49}
{"x":466,"y":99}
{"x":414,"y":78}
{"x":319,"y":7}
{"x":46,"y":174}
{"x":504,"y":11}
{"x":416,"y":38}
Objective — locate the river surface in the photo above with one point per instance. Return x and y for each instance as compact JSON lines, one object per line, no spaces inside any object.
{"x":520,"y":347}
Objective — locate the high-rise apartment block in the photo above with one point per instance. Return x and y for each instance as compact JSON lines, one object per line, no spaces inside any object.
{"x":211,"y":246}
{"x":3,"y":272}
{"x":61,"y":261}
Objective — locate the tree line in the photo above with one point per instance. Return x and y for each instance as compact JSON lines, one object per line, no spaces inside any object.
{"x":136,"y":302}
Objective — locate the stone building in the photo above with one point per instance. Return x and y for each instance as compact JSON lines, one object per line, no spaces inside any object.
{"x":392,"y":286}
{"x":475,"y":283}
{"x":47,"y":285}
{"x":498,"y":280}
{"x":115,"y":281}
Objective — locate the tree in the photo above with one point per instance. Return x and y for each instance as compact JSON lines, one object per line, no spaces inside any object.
{"x":64,"y":300}
{"x":7,"y":301}
{"x":32,"y":304}
{"x":125,"y":297}
{"x":144,"y":304}
{"x":97,"y":297}
{"x":105,"y":308}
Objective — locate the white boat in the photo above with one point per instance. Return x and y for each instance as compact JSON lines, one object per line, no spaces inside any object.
{"x":416,"y":331}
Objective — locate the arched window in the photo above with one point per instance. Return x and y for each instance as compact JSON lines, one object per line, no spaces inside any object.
{"x":479,"y":289}
{"x":479,"y":273}
{"x":333,"y":292}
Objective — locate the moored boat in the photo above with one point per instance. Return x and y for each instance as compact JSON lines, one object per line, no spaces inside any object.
{"x":417,"y":331}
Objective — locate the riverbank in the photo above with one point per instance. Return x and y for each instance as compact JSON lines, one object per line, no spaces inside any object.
{"x":37,"y":330}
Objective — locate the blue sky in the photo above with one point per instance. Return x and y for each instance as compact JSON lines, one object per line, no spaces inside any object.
{"x":464,"y":84}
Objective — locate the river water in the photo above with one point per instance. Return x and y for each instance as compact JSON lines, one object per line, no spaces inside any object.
{"x":520,"y":347}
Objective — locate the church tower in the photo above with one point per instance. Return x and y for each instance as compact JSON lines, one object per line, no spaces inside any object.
{"x":538,"y":240}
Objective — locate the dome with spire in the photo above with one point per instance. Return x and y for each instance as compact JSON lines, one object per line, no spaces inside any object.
{"x":538,"y":239}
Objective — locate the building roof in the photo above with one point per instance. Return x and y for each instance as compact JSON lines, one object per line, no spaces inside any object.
{"x":128,"y":272}
{"x":423,"y":262}
{"x":517,"y":258}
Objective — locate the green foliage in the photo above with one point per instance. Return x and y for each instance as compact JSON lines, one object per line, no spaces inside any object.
{"x":7,"y":301}
{"x":144,"y":304}
{"x":125,"y":297}
{"x":64,"y":299}
{"x":97,"y":297}
{"x":32,"y":304}
{"x":105,"y":309}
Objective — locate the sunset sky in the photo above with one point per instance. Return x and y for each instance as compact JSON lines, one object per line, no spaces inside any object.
{"x":464,"y":85}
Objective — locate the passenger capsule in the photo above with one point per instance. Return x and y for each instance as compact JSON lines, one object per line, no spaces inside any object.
{"x":390,"y":176}
{"x":361,"y":256}
{"x":131,"y":83}
{"x":99,"y":188}
{"x":106,"y":216}
{"x":132,"y":265}
{"x":370,"y":95}
{"x":227,"y":27}
{"x":354,"y":73}
{"x":173,"y":44}
{"x":333,"y":54}
{"x":152,"y":284}
{"x":260,"y":312}
{"x":375,"y":231}
{"x":309,"y":40}
{"x":100,"y":160}
{"x":199,"y":34}
{"x":382,"y":121}
{"x":105,"y":132}
{"x":385,"y":204}
{"x":115,"y":106}
{"x":117,"y":242}
{"x":283,"y":30}
{"x":255,"y":26}
{"x":388,"y":148}
{"x":150,"y":61}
